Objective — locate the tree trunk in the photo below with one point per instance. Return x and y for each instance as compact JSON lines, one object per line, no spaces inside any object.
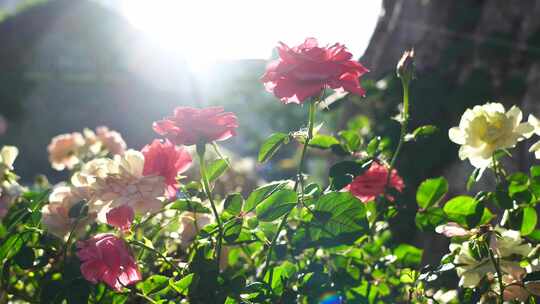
{"x":466,"y":52}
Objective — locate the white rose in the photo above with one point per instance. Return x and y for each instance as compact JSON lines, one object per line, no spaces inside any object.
{"x":484,"y":129}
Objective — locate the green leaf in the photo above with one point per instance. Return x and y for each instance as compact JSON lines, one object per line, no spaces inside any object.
{"x":153,"y":283}
{"x":358,"y":123}
{"x":373,"y":146}
{"x":408,"y":254}
{"x":232,"y":229}
{"x":259,"y":194}
{"x":323,"y":141}
{"x":429,"y":219}
{"x":463,"y":210}
{"x":339,"y":212}
{"x":528,"y":223}
{"x":25,"y":257}
{"x":535,"y":171}
{"x":271,"y":145}
{"x":424,"y":131}
{"x":189,"y":205}
{"x":431,"y":191}
{"x":276,"y":205}
{"x":282,"y":273}
{"x":535,"y":235}
{"x":352,"y":139}
{"x":182,"y":286}
{"x":233,"y":203}
{"x":216,"y":168}
{"x":11,"y":246}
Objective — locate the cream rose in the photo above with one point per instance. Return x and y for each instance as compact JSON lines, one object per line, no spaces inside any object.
{"x":487,"y":128}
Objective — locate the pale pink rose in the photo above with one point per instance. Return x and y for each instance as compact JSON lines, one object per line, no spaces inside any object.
{"x":55,"y":215}
{"x":107,"y":258}
{"x":111,"y":140}
{"x":64,"y":149}
{"x":121,"y":217}
{"x":125,"y":184}
{"x":452,"y":229}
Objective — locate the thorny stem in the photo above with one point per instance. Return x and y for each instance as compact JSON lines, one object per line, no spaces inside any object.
{"x":299,"y":181}
{"x":206,"y":186}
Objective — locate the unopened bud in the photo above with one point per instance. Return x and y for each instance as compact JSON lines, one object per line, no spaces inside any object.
{"x":405,"y":66}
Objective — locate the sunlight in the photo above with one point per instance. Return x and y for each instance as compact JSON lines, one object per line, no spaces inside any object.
{"x":206,"y":31}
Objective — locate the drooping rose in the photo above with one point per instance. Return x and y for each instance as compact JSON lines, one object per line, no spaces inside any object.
{"x":191,"y":126}
{"x":371,"y":183}
{"x":305,"y":70}
{"x":63,"y":150}
{"x":106,"y":258}
{"x":121,"y":217}
{"x":111,"y":140}
{"x":167,"y":160}
{"x":55,"y":215}
{"x":484,"y":129}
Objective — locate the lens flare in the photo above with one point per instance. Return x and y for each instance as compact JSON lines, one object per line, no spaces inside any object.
{"x":331,"y":298}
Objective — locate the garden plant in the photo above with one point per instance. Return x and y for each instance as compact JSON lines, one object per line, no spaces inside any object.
{"x":129,"y":227}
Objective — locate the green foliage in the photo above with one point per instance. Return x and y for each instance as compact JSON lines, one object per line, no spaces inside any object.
{"x":431,"y":191}
{"x":216,"y":169}
{"x":272,"y":145}
{"x":276,"y":205}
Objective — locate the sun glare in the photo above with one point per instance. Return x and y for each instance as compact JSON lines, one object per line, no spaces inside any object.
{"x":206,"y":31}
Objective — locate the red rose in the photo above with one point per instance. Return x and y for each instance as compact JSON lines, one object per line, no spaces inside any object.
{"x":370,"y":184}
{"x":167,"y":160}
{"x":107,"y":258}
{"x":305,"y":70}
{"x":191,"y":126}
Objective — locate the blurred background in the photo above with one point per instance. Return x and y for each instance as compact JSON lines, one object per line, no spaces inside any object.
{"x":70,"y":64}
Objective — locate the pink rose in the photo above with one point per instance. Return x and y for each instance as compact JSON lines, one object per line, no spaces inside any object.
{"x":167,"y":160}
{"x":121,"y":217}
{"x":452,"y":229}
{"x":305,"y":70}
{"x":112,"y":140}
{"x":107,"y":258}
{"x":371,"y":183}
{"x":191,"y":126}
{"x":64,"y":150}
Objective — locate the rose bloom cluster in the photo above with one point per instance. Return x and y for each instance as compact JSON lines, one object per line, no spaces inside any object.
{"x":508,"y":247}
{"x":66,"y":151}
{"x":117,"y":189}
